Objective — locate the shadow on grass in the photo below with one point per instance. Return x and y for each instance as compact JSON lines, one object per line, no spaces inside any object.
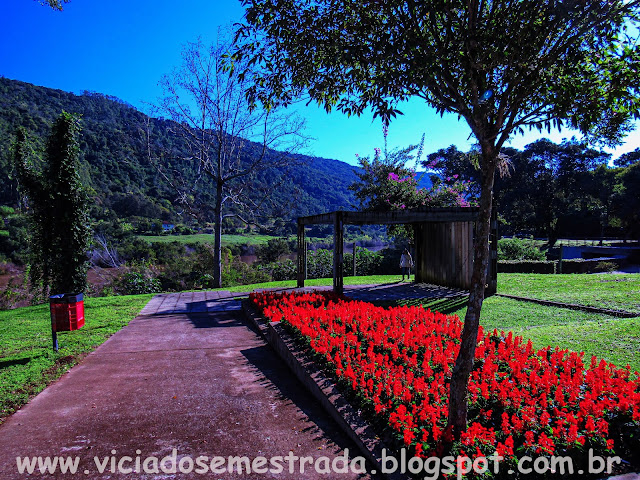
{"x":443,"y":305}
{"x":11,"y":363}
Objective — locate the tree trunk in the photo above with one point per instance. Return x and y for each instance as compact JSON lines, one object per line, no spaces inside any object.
{"x":465,"y":360}
{"x":217,"y":241}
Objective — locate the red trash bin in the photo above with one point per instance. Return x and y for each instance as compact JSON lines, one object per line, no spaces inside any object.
{"x":67,"y":311}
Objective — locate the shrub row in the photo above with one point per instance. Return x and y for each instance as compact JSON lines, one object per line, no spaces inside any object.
{"x":576,"y":265}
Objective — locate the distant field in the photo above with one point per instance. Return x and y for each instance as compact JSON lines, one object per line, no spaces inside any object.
{"x":208,"y":238}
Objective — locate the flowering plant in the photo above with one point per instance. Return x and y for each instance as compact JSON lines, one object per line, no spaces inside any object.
{"x":386,"y":183}
{"x":399,"y":361}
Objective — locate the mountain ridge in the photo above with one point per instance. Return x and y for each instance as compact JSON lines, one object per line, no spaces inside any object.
{"x":115,"y":166}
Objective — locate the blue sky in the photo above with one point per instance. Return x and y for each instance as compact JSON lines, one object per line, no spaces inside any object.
{"x":122,"y":48}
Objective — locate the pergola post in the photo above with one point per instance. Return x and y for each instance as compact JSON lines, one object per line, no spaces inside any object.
{"x":417,"y":238}
{"x":354,"y":258}
{"x":302,"y":255}
{"x":338,"y":246}
{"x":492,"y":274}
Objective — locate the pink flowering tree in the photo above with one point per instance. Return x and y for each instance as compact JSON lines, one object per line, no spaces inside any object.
{"x":387,"y":183}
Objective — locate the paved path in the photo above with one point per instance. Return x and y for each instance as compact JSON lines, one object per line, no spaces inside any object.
{"x":186,"y":374}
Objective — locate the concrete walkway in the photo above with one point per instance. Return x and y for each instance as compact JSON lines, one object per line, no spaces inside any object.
{"x":186,"y":376}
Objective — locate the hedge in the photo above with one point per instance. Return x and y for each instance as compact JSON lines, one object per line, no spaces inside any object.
{"x":575,"y":265}
{"x":580,"y":265}
{"x":526,"y":266}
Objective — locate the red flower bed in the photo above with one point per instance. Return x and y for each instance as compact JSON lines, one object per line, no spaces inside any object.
{"x":521,"y":401}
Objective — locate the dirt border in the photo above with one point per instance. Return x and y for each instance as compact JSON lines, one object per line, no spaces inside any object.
{"x":573,"y":306}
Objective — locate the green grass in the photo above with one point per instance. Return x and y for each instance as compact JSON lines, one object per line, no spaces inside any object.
{"x":208,"y":238}
{"x":614,"y":291}
{"x":27,"y":360}
{"x":613,"y":339}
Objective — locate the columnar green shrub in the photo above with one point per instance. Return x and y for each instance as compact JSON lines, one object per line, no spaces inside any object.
{"x":58,"y":205}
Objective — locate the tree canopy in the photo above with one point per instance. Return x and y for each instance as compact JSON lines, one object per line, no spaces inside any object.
{"x":501,"y":65}
{"x":54,"y":4}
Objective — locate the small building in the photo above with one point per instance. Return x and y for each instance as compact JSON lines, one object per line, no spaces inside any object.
{"x":443,"y":243}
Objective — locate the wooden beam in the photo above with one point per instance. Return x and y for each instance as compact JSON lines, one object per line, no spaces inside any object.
{"x":447,"y":214}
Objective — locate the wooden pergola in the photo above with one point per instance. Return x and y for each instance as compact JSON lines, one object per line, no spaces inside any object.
{"x":443,"y":236}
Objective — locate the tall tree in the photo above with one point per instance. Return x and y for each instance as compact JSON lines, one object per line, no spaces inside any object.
{"x":501,"y":65}
{"x":627,"y":207}
{"x":230,"y":143}
{"x":58,"y":205}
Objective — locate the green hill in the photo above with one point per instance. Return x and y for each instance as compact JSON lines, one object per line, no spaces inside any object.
{"x":116,"y":168}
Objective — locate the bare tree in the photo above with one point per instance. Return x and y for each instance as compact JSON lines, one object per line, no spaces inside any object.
{"x":103,"y":253}
{"x":229,"y":142}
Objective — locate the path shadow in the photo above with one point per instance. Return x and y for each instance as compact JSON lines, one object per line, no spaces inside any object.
{"x":434,"y":297}
{"x":442,"y":305}
{"x":215,"y":319}
{"x":280,"y":379}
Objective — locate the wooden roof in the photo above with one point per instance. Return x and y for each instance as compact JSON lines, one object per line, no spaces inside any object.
{"x":423,"y":215}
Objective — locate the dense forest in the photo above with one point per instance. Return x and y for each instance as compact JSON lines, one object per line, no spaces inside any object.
{"x":566,"y":190}
{"x":122,"y":178}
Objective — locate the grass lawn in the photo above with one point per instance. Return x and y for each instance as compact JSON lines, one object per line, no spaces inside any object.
{"x":27,"y":360}
{"x":28,"y":363}
{"x":208,"y":238}
{"x":615,"y":291}
{"x":614,"y":339}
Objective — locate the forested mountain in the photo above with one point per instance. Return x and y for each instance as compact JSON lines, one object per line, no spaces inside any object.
{"x":116,"y":165}
{"x":582,"y":195}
